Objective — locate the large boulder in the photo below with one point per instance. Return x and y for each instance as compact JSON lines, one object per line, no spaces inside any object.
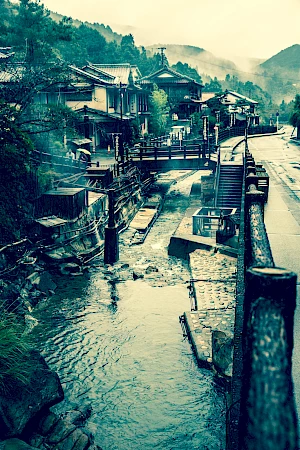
{"x":41,"y":281}
{"x":18,"y":406}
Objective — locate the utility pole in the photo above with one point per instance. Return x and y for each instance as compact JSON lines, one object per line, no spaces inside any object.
{"x":162,"y":55}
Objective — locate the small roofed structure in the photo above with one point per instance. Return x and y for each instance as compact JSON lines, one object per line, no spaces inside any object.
{"x":5,"y":53}
{"x":64,"y":203}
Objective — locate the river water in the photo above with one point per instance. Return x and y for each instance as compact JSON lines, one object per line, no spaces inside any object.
{"x":117,"y":345}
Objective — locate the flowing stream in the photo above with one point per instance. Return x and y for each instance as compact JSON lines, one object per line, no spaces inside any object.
{"x":117,"y":345}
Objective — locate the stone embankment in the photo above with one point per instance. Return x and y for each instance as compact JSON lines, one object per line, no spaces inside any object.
{"x":210,"y":322}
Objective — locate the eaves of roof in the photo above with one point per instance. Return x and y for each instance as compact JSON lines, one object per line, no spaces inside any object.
{"x":171,"y":71}
{"x":242,"y":97}
{"x":92,"y":77}
{"x":97,"y":112}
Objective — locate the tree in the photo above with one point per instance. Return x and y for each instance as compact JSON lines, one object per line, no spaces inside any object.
{"x":15,"y":148}
{"x":213,"y":86}
{"x":33,"y":34}
{"x":295,"y":115}
{"x":185,"y":69}
{"x":159,"y":111}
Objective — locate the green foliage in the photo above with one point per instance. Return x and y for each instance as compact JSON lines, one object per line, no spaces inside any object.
{"x":159,"y":112}
{"x":185,"y":69}
{"x":14,"y":347}
{"x":32,"y":33}
{"x":213,"y":86}
{"x":46,"y":176}
{"x":15,"y":147}
{"x":295,"y":115}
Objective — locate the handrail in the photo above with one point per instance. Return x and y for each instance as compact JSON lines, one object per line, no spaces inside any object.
{"x":264,"y":342}
{"x":217,"y":176}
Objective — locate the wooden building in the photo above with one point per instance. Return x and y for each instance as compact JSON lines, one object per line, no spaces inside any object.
{"x":184,"y":93}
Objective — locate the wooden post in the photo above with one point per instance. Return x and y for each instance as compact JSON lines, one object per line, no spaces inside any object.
{"x":111,"y":243}
{"x":268,"y":416}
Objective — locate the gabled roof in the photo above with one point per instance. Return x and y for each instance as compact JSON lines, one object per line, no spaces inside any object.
{"x":109,"y":74}
{"x":98,"y":73}
{"x":228,"y":98}
{"x":236,"y":96}
{"x":169,"y":75}
{"x":120,"y":72}
{"x":86,"y":74}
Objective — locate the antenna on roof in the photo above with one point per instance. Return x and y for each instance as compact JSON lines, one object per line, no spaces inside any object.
{"x":162,"y":55}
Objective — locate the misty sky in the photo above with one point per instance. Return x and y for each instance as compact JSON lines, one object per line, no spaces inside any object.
{"x":253,"y":28}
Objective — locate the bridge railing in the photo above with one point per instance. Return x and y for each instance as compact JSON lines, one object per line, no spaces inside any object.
{"x":263,"y":413}
{"x":171,"y":152}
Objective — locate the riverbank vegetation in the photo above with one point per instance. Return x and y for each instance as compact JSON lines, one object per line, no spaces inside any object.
{"x":14,"y":347}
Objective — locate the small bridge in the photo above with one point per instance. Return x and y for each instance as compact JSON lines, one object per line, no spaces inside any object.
{"x":185,"y":157}
{"x":196,"y":154}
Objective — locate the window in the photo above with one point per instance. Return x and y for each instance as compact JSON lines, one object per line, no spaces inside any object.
{"x":79,"y":96}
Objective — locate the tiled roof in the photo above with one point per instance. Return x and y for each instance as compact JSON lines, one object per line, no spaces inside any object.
{"x":120,"y":72}
{"x":165,"y":69}
{"x":242,"y":97}
{"x":87,"y":74}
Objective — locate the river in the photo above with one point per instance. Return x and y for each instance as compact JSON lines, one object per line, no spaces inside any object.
{"x":117,"y":345}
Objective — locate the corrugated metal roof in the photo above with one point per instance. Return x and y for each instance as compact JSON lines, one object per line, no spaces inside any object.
{"x":51,"y":221}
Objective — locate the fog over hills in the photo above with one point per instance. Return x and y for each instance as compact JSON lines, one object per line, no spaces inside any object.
{"x":288,"y":60}
{"x":285,"y":64}
{"x":105,"y":30}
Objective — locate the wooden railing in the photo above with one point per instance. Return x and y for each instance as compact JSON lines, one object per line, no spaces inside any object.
{"x":262,"y":414}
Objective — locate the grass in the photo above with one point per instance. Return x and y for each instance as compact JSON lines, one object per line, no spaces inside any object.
{"x":15,"y":366}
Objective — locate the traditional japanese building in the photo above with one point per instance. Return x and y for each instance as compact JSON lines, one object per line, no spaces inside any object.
{"x":239,"y":106}
{"x":184,"y":93}
{"x":108,"y":98}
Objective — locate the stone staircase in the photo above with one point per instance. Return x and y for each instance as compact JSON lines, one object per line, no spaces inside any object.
{"x":230,"y":186}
